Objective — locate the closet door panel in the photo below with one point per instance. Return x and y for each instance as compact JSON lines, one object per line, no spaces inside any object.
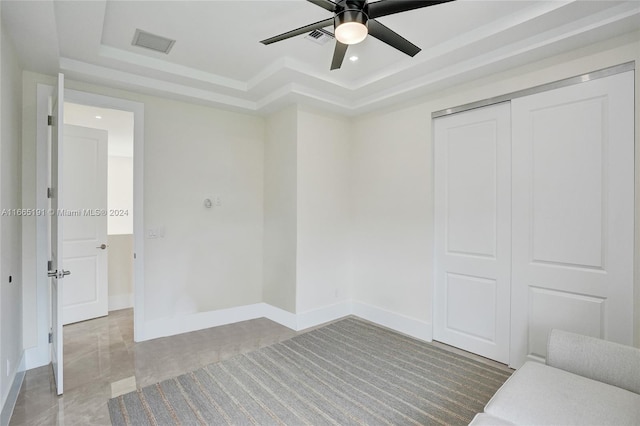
{"x":573,"y":173}
{"x":472,"y":231}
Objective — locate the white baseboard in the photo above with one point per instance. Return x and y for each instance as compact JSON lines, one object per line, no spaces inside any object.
{"x":170,"y":326}
{"x":120,"y":301}
{"x":282,"y":317}
{"x":14,"y":391}
{"x":415,"y":328}
{"x":325,"y":314}
{"x":307,"y":319}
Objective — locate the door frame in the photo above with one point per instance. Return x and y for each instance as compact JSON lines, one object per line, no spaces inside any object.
{"x":39,"y":355}
{"x":137,"y":108}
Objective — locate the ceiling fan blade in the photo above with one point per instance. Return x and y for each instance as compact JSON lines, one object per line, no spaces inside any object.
{"x":325,"y":4}
{"x":301,"y":30}
{"x":393,"y":39}
{"x":389,"y":7}
{"x":338,"y":55}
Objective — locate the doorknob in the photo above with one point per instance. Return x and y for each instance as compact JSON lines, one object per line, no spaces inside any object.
{"x":102,"y":246}
{"x":59,"y":275}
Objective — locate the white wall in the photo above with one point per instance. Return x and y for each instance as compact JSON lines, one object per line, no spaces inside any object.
{"x":307,"y":210}
{"x":393,"y":180}
{"x":323,"y":206}
{"x":120,"y":271}
{"x":393,"y":212}
{"x":209,"y":259}
{"x":120,"y":194}
{"x":11,"y":347}
{"x":280,"y":209}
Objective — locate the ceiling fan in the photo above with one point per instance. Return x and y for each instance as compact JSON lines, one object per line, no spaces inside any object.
{"x":354,"y":19}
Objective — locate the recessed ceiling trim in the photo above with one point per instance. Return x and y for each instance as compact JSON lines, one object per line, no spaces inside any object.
{"x":271,"y":91}
{"x":502,"y":54}
{"x":284,"y":64}
{"x":463,"y":40}
{"x":128,"y":79}
{"x":170,"y":67}
{"x":152,"y":42}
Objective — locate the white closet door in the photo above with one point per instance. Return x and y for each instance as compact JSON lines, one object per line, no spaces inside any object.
{"x":573,"y":195}
{"x":473,"y":230}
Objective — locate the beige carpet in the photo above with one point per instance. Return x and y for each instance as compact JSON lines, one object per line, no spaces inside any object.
{"x":348,"y":372}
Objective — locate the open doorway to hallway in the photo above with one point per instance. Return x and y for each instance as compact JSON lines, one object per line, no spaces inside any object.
{"x":98,"y":231}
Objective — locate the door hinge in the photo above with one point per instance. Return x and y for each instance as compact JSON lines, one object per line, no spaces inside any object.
{"x":49,"y":265}
{"x":51,"y":336}
{"x":49,"y":192}
{"x":49,"y":120}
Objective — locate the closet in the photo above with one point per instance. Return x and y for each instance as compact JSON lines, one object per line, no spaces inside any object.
{"x":534,"y":219}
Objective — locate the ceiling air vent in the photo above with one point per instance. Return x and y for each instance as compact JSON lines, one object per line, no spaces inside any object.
{"x":319,"y":36}
{"x":152,"y":41}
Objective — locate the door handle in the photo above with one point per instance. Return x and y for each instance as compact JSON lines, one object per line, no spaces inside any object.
{"x":59,"y":275}
{"x":102,"y":246}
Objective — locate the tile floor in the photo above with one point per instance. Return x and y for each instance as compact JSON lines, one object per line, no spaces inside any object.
{"x":101,"y":360}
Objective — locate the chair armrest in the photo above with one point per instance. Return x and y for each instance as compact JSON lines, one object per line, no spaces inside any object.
{"x":596,"y":359}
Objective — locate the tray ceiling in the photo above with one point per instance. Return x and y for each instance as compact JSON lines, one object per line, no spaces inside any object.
{"x":217,"y":58}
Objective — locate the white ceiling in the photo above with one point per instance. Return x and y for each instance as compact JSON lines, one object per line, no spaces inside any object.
{"x":218,"y":60}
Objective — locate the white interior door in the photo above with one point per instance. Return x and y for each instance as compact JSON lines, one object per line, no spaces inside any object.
{"x":473,"y":230}
{"x":57,"y":271}
{"x":573,"y":225}
{"x":85,"y":223}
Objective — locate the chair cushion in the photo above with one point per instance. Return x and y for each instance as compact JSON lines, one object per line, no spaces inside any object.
{"x":542,"y":395}
{"x":597,"y":359}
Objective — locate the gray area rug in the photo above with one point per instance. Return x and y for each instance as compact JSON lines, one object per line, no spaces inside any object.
{"x":348,"y":372}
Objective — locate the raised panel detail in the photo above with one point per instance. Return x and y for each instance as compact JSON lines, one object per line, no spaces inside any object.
{"x":76,"y":291}
{"x":568,"y":176}
{"x":471,"y":189}
{"x":567,"y":311}
{"x":471,"y":306}
{"x":79,"y":174}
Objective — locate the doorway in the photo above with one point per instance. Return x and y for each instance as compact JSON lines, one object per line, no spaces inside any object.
{"x":46,"y":129}
{"x":98,"y":229}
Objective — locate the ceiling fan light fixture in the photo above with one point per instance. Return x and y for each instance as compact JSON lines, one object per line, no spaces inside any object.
{"x":351,"y":32}
{"x":351,"y":27}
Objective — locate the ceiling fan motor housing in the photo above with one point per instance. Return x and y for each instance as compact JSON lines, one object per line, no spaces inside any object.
{"x":351,"y":11}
